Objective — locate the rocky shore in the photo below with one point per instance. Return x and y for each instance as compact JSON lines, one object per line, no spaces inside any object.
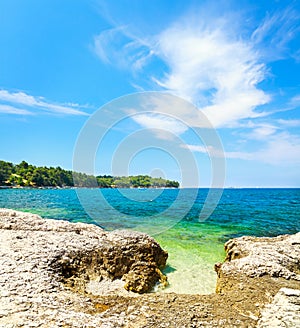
{"x":60,"y":274}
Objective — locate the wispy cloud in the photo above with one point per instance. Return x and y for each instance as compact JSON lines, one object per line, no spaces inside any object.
{"x":262,"y":131}
{"x":295,"y":101}
{"x":210,"y":150}
{"x":116,"y":46}
{"x":207,"y":64}
{"x":7,"y":109}
{"x":215,"y":69}
{"x":164,"y":111}
{"x":21,"y":103}
{"x":208,"y":59}
{"x":288,"y":123}
{"x":161,"y":123}
{"x":105,"y":42}
{"x":275,"y":32}
{"x":218,"y":64}
{"x":282,"y":149}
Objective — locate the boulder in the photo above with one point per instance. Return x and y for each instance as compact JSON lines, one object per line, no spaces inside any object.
{"x":43,"y":261}
{"x":77,"y":253}
{"x":252,"y":257}
{"x":263,"y":274}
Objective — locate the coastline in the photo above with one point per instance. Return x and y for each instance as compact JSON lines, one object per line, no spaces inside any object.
{"x":151,"y":187}
{"x":258,"y":275}
{"x":74,"y":187}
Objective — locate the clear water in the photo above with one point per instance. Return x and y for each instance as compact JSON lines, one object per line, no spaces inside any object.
{"x":193,"y":246}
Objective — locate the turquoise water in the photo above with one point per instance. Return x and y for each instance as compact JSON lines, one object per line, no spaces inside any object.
{"x":193,"y":246}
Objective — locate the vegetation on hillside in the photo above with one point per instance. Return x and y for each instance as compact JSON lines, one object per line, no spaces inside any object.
{"x":27,"y":175}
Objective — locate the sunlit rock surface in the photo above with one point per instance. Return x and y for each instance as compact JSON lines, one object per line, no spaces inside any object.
{"x":59,"y":274}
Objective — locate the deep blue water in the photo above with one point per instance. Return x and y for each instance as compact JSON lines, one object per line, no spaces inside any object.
{"x":261,"y":212}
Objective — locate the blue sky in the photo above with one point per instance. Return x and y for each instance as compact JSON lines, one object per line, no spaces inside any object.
{"x":238,"y":62}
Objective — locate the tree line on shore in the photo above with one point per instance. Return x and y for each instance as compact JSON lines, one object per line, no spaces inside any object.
{"x":27,"y":175}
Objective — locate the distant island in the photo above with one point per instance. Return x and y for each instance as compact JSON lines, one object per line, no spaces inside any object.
{"x":27,"y":175}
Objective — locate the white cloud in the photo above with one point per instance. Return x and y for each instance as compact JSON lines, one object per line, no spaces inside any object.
{"x":161,"y":122}
{"x":217,"y":65}
{"x":205,"y":150}
{"x":289,"y":123}
{"x":166,"y":112}
{"x":213,"y":69}
{"x":31,"y":104}
{"x":280,"y":149}
{"x":295,"y":101}
{"x":161,"y":111}
{"x":114,"y":46}
{"x":275,"y":32}
{"x":208,"y":64}
{"x":262,"y":131}
{"x":103,"y":41}
{"x":7,"y":109}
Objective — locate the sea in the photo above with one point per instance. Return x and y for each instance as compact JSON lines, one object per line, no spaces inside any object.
{"x":174,"y":217}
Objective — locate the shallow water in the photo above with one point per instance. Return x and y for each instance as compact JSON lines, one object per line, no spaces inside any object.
{"x":172,"y":217}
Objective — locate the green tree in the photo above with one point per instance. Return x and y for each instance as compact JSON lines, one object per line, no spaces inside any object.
{"x":6,"y":170}
{"x":24,"y":174}
{"x":37,"y":178}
